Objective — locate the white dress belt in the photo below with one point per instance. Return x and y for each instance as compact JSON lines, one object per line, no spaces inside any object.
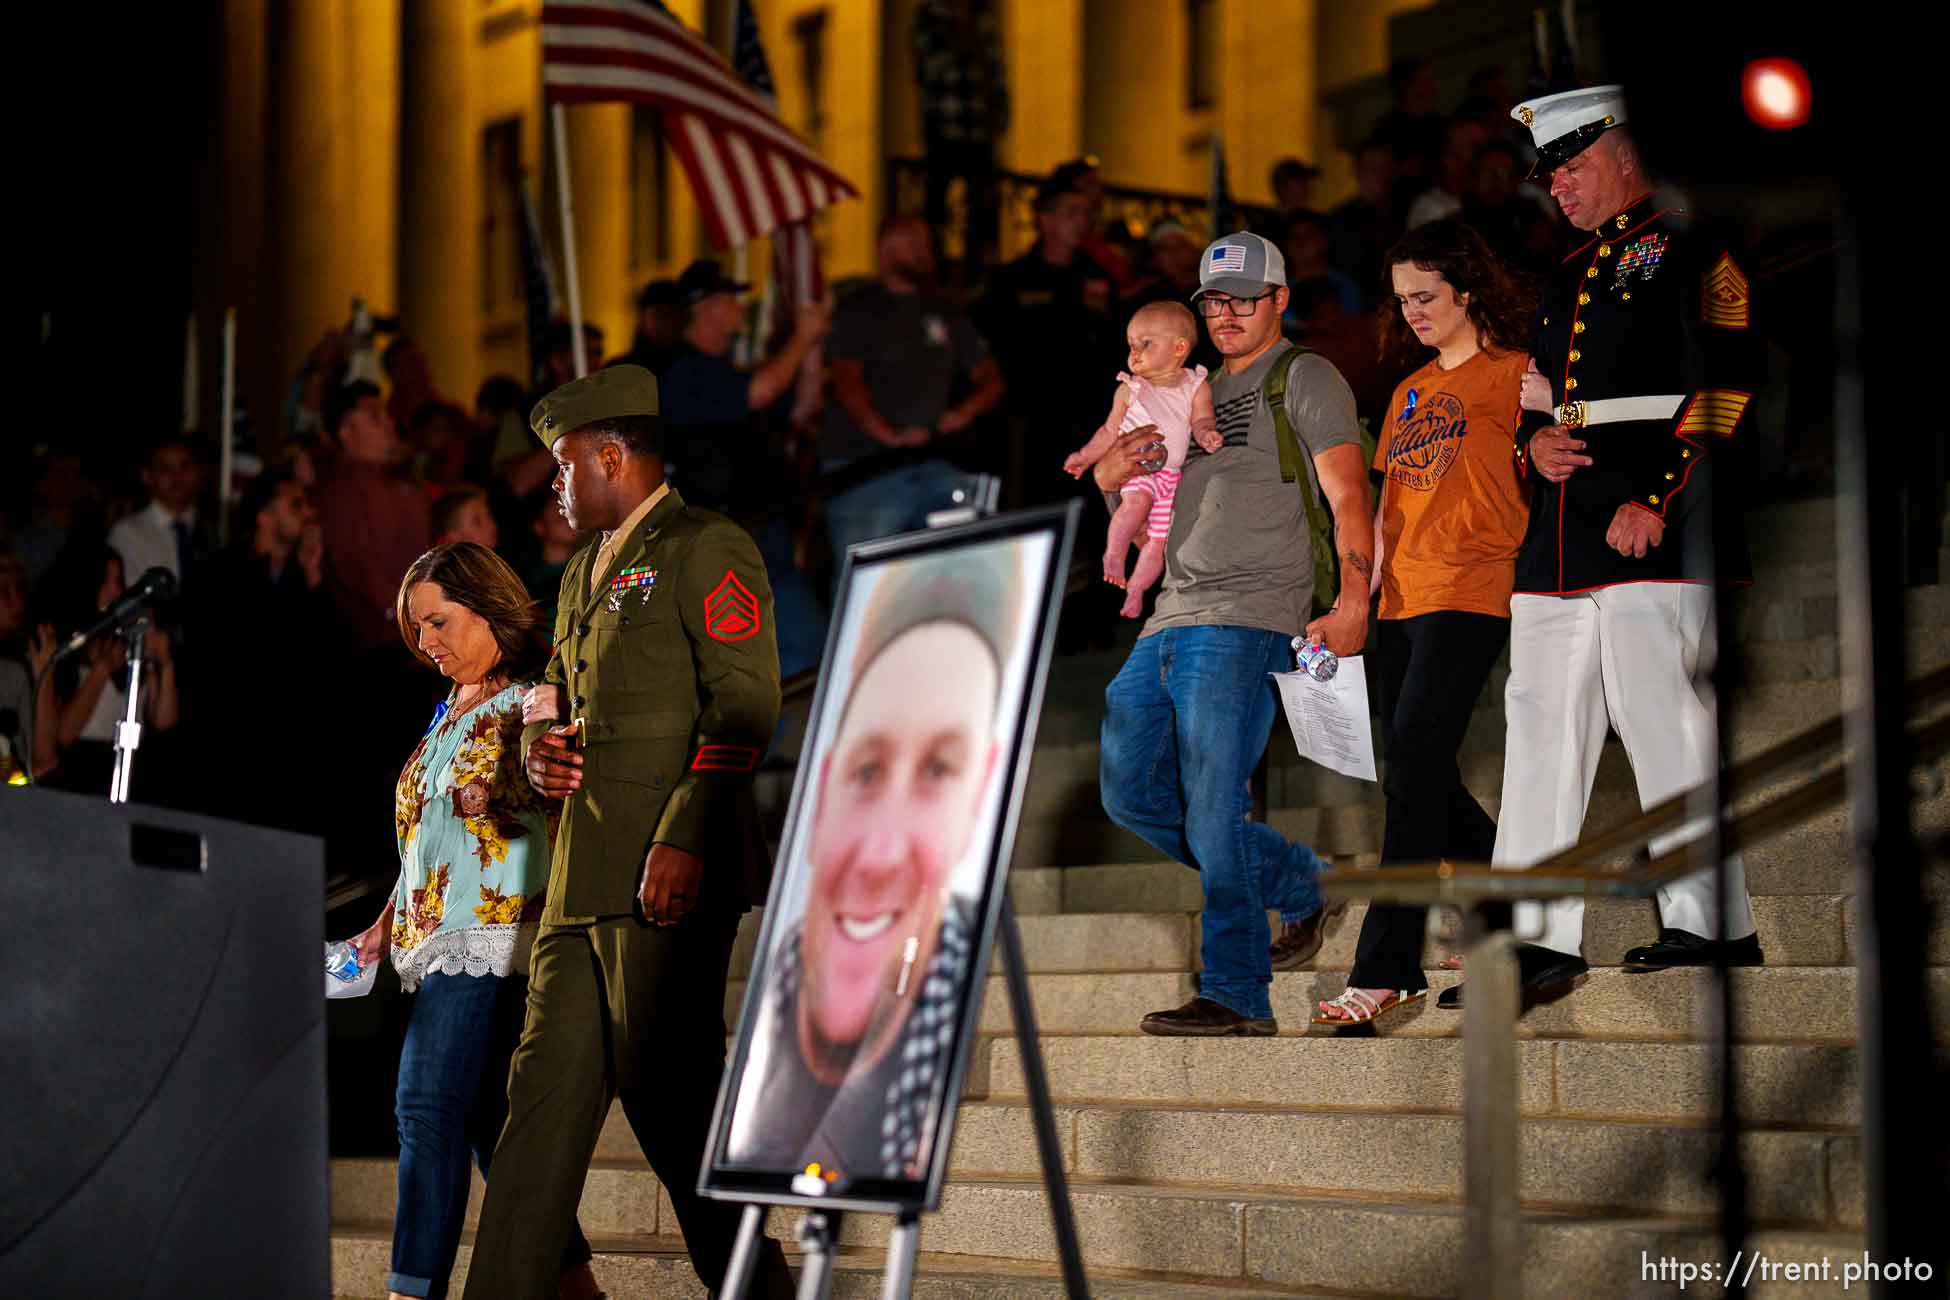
{"x":1612,"y":410}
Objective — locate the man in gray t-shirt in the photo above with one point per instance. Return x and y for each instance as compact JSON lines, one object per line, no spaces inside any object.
{"x":1240,"y":551}
{"x":1187,"y":717}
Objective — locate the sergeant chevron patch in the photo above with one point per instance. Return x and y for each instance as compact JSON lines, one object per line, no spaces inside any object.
{"x":1713,"y":410}
{"x":731,"y":611}
{"x":725,"y":758}
{"x":1724,"y":300}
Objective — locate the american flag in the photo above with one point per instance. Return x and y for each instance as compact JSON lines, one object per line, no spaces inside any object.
{"x":795,"y":254}
{"x":750,"y":173}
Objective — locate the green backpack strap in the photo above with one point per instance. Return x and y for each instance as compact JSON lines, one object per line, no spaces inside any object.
{"x":1293,"y":468}
{"x":1275,"y":389}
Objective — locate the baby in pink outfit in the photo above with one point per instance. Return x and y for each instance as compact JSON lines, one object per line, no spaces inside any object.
{"x":1160,"y":391}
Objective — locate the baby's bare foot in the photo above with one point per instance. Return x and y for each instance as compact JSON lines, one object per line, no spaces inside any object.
{"x":1133,"y":602}
{"x":1114,"y":570}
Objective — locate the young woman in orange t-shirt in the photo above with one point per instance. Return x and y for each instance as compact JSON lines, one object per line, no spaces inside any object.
{"x":1451,"y":519}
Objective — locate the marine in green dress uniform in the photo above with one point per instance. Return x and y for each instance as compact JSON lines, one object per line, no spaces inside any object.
{"x":655,"y":710}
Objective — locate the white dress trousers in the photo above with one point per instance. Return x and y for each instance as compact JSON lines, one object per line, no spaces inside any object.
{"x":1633,"y":655}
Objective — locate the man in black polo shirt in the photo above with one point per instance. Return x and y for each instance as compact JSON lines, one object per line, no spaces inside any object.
{"x":898,"y":353}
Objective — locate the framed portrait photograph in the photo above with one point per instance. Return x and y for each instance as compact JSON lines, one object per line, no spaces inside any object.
{"x":866,"y":986}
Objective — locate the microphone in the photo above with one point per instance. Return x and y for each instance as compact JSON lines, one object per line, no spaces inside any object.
{"x":158,"y":584}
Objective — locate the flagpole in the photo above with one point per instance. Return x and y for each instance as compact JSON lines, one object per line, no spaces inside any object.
{"x":192,"y":365}
{"x":226,"y":426}
{"x":559,"y":120}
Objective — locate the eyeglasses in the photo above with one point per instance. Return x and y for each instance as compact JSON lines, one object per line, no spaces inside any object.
{"x":1214,"y":305}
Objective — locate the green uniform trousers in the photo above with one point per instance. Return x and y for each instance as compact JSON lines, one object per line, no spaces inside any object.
{"x":616,"y":1009}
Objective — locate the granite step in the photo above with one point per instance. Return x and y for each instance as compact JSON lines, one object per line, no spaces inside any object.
{"x":1815,"y":1004}
{"x":641,"y":1267}
{"x":1068,"y":827}
{"x":990,"y":1237}
{"x":1779,"y":1084}
{"x":1800,"y":1176}
{"x":1143,"y":918}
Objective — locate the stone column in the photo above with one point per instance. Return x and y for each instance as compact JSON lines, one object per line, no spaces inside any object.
{"x":439,"y":248}
{"x":240,"y":244}
{"x":308,"y":167}
{"x":372,"y":37}
{"x":599,"y":167}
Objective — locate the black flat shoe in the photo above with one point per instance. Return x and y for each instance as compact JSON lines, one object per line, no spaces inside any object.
{"x":1681,"y":948}
{"x":1542,"y":973}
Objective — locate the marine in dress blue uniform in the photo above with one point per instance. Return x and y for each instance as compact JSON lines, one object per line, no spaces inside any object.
{"x":1644,"y":334}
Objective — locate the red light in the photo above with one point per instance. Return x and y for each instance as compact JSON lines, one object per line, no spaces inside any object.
{"x":1776,"y":93}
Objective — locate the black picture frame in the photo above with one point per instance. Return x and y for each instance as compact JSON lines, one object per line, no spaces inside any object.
{"x":1047,"y":533}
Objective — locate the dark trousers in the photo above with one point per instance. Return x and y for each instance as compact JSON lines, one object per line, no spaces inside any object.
{"x":1429,"y":671}
{"x":616,"y":1009}
{"x":452,"y":1100}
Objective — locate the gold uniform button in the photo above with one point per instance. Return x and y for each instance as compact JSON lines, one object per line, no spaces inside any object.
{"x":1577,"y":327}
{"x":1685,"y":455}
{"x":1626,"y":296}
{"x":1547,"y":320}
{"x":1604,"y":250}
{"x":1575,"y":354}
{"x":1569,"y":384}
{"x":1583,"y":299}
{"x":1621,"y":222}
{"x":1653,"y":499}
{"x":1670,"y":476}
{"x":1590,"y":272}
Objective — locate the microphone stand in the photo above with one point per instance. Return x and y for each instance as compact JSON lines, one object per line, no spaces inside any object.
{"x":128,"y":732}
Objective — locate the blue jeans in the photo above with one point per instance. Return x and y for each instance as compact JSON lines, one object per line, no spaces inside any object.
{"x":1185,"y":722}
{"x":452,"y":1100}
{"x":898,"y":501}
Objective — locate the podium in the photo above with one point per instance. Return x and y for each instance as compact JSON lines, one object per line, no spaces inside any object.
{"x":162,"y":1055}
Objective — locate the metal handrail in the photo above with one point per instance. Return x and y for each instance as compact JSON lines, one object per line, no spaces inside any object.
{"x":1564,"y":875}
{"x":1491,"y":1170}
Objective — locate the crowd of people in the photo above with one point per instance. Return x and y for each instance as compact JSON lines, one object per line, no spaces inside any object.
{"x":1535,"y":493}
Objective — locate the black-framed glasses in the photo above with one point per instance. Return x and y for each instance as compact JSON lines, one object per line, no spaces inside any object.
{"x":1213,"y":305}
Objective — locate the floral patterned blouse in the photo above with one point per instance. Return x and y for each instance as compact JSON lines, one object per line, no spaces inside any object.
{"x":474,"y":847}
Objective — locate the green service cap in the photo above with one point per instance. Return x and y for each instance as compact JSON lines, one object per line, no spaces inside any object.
{"x":611,"y":392}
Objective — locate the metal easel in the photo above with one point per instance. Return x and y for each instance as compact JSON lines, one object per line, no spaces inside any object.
{"x":818,"y":1232}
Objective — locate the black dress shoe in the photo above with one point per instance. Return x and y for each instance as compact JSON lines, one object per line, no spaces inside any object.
{"x":1681,"y":948}
{"x":1204,"y":1018}
{"x":1541,"y":972}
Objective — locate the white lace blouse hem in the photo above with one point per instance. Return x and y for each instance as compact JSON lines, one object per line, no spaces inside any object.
{"x":479,"y":950}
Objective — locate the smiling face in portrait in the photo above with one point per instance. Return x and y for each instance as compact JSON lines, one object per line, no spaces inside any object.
{"x":899,"y":791}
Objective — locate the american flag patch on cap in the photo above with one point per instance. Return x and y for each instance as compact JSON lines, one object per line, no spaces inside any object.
{"x":1228,"y":257}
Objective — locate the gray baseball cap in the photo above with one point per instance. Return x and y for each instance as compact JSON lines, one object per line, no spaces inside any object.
{"x":1242,"y":265}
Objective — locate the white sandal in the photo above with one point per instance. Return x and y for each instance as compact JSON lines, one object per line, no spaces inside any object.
{"x":1362,"y":1006}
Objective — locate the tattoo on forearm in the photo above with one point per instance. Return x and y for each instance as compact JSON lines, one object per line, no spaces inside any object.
{"x":1359,"y":562}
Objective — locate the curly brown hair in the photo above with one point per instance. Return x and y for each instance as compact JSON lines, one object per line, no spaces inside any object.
{"x":478,"y":580}
{"x":1500,"y":300}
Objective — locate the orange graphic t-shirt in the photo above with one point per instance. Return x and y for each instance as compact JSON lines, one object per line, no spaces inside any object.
{"x":1453,"y":512}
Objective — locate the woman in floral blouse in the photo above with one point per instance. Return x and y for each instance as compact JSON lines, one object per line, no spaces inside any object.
{"x":474,"y":849}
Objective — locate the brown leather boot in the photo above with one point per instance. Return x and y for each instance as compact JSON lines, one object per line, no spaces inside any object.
{"x":1298,"y":942}
{"x":1204,"y":1018}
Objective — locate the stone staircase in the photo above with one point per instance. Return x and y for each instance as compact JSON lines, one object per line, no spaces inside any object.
{"x":1317,"y":1164}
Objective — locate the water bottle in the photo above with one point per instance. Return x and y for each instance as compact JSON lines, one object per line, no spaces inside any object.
{"x":1315,"y":659}
{"x":342,"y":961}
